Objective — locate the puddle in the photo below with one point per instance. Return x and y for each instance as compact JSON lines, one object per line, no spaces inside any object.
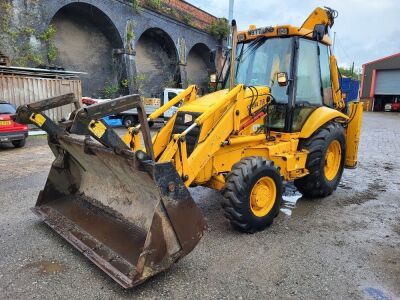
{"x":290,"y":198}
{"x":47,"y":267}
{"x":343,"y":186}
{"x":36,"y":132}
{"x":289,"y":203}
{"x":376,"y":294}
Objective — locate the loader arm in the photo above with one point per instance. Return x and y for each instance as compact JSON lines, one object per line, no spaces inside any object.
{"x":131,"y":137}
{"x":227,"y":114}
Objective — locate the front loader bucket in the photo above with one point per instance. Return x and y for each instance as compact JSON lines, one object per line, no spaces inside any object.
{"x":132,"y":217}
{"x":132,"y":221}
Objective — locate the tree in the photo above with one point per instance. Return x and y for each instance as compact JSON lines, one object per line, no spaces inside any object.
{"x":349,"y":72}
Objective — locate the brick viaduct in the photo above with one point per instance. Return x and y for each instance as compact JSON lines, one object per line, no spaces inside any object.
{"x":111,"y":42}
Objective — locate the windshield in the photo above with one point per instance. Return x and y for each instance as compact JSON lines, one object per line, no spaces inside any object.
{"x":6,"y":109}
{"x":259,"y":61}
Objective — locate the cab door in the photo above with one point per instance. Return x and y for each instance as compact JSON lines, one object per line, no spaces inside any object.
{"x":313,"y":82}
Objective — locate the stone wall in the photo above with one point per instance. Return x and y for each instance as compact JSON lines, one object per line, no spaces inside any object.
{"x":121,"y":50}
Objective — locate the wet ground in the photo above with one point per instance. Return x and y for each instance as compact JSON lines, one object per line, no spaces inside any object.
{"x":343,"y":246}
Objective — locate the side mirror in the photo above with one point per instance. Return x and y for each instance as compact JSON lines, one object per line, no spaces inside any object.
{"x":319,"y":32}
{"x":282,"y":78}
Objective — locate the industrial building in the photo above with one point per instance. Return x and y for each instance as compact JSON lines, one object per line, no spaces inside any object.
{"x":380,"y":83}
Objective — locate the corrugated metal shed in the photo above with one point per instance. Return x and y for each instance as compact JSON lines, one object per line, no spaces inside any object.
{"x":371,"y":69}
{"x":23,"y":86}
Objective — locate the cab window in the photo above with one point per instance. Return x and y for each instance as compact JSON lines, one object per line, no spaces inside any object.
{"x":325,"y":75}
{"x":308,"y":90}
{"x":308,"y":80}
{"x":259,"y":62}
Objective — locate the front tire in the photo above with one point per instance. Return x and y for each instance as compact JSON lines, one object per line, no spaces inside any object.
{"x":252,"y":194}
{"x":325,"y":161}
{"x":19,"y":143}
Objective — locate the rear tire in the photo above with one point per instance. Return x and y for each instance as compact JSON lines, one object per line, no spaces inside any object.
{"x":129,"y":121}
{"x":321,"y":182}
{"x":245,"y":210}
{"x":19,"y":143}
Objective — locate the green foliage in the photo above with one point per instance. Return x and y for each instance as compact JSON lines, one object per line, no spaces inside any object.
{"x":130,"y":35}
{"x":125,"y":83}
{"x":139,"y":81}
{"x":28,"y":31}
{"x":136,"y":6}
{"x":5,"y":17}
{"x":48,"y":37}
{"x":349,"y":73}
{"x":155,"y":4}
{"x":220,"y":28}
{"x":25,"y":55}
{"x":49,"y":34}
{"x":110,"y":90}
{"x":28,"y":56}
{"x":52,"y":52}
{"x":186,"y":18}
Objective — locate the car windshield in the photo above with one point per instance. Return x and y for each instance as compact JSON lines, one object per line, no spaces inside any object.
{"x":6,"y":109}
{"x":259,"y":61}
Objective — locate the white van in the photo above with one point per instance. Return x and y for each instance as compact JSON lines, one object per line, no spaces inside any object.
{"x":130,"y":117}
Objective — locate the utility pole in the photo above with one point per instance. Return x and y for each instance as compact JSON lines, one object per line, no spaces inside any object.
{"x":231,"y":5}
{"x":352,"y":70}
{"x":334,"y":41}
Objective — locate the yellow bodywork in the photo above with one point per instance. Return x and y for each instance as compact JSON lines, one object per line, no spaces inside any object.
{"x":319,"y":117}
{"x":231,"y":126}
{"x":318,"y":16}
{"x":221,"y":144}
{"x":353,"y":133}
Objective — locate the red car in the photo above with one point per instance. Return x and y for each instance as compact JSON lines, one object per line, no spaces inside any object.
{"x":11,"y":131}
{"x":396,"y":105}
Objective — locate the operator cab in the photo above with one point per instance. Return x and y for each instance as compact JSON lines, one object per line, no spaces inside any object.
{"x":294,"y":63}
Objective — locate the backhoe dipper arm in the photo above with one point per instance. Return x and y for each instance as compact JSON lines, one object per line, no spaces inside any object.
{"x":320,"y":16}
{"x":336,"y":89}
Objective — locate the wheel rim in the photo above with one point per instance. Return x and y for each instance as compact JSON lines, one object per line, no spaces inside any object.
{"x":333,"y":158}
{"x":128,"y":122}
{"x":262,"y":196}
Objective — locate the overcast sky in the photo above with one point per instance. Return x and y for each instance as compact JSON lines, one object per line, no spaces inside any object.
{"x":365,"y":29}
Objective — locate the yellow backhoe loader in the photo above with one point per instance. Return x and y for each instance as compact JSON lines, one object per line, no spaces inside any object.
{"x":281,"y":118}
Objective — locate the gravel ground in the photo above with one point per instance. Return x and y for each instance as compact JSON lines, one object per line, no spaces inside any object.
{"x":343,"y":246}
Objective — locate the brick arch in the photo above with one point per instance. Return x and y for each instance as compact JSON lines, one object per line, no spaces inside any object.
{"x":86,"y":38}
{"x":157,"y":62}
{"x":89,"y":8}
{"x":198,"y":66}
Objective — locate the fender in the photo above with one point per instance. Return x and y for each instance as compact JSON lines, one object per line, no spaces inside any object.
{"x":319,"y":117}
